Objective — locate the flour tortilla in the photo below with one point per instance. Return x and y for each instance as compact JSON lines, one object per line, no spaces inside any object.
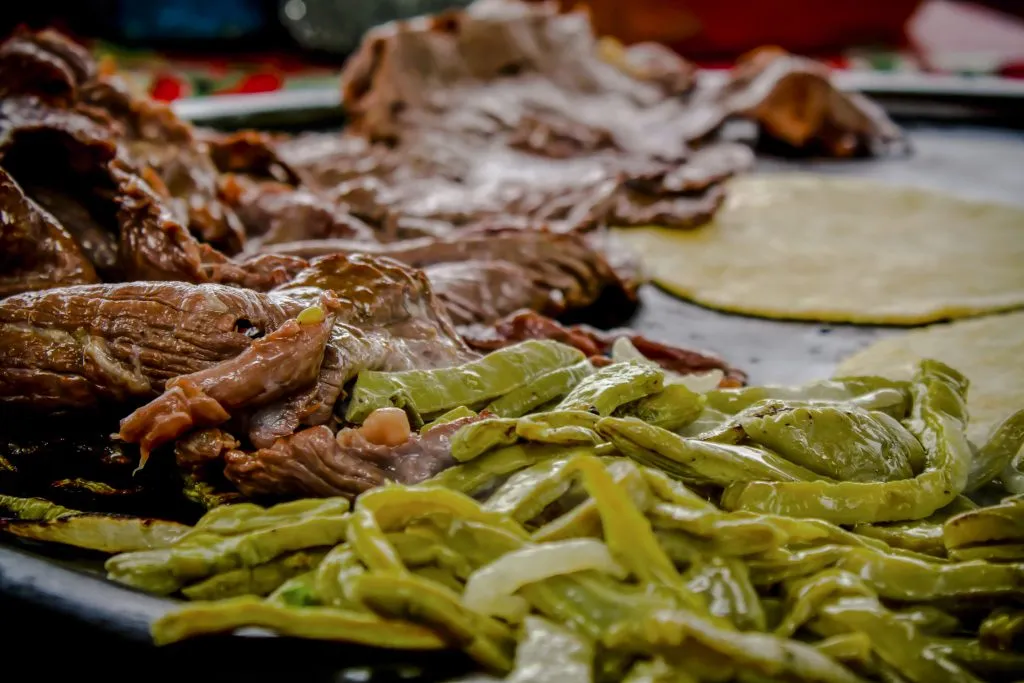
{"x":989,"y":351}
{"x":842,"y":249}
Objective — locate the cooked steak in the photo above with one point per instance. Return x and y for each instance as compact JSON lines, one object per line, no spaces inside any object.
{"x":563,"y":269}
{"x":35,"y":250}
{"x":78,"y":346}
{"x":315,"y":462}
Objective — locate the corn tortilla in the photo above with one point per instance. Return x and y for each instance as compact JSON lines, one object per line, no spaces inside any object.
{"x":842,"y":249}
{"x":989,"y":351}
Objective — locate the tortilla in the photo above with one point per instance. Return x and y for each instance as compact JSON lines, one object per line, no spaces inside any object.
{"x":989,"y":351}
{"x":842,"y":249}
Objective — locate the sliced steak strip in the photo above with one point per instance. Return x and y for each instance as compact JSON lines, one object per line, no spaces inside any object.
{"x":286,"y":360}
{"x":314,"y":462}
{"x":564,"y":270}
{"x":35,"y":251}
{"x":76,"y":347}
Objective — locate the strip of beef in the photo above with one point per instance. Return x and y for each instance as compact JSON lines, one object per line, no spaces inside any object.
{"x":148,"y":134}
{"x":284,"y":361}
{"x":35,"y":251}
{"x":793,"y":101}
{"x":43,"y":64}
{"x":488,"y":112}
{"x":274,"y":212}
{"x":249,"y":153}
{"x":480,"y":291}
{"x":315,"y":462}
{"x":597,"y":344}
{"x":373,"y":313}
{"x":77,"y":347}
{"x":564,"y":270}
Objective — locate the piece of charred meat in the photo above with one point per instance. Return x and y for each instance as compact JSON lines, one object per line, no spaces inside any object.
{"x":794,"y":104}
{"x":316,"y":462}
{"x":596,"y":344}
{"x":534,"y":268}
{"x":35,"y":250}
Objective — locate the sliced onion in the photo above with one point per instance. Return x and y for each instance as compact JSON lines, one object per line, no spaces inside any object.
{"x":491,"y":589}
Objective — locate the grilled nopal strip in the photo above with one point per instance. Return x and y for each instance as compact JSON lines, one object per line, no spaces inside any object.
{"x":103,"y":533}
{"x":425,"y":393}
{"x":938,"y":418}
{"x":232,"y":537}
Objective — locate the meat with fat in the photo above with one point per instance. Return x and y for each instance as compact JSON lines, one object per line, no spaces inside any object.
{"x":315,"y":462}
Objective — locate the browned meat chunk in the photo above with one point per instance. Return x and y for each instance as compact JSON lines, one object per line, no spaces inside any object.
{"x":563,"y":270}
{"x":793,"y":101}
{"x":79,"y":346}
{"x":286,"y":360}
{"x":35,"y":251}
{"x":314,"y":462}
{"x":597,"y":344}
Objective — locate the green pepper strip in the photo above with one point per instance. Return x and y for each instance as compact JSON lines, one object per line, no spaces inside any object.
{"x":33,"y":508}
{"x":562,"y":427}
{"x":475,"y":475}
{"x":938,"y":419}
{"x":549,"y":387}
{"x":696,"y":460}
{"x":674,"y":407}
{"x":613,"y":386}
{"x":758,"y":653}
{"x":411,"y":597}
{"x":165,"y":570}
{"x":991,"y":459}
{"x":724,"y":582}
{"x":1003,"y":630}
{"x":895,"y":641}
{"x":854,"y":648}
{"x":628,"y":533}
{"x":323,"y":623}
{"x":1003,"y":523}
{"x":259,"y":580}
{"x":422,"y":393}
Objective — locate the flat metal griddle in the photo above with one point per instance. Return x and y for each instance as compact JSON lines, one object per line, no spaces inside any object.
{"x":44,"y":585}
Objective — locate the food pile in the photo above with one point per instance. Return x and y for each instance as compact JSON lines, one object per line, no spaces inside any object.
{"x":641,"y":528}
{"x":337,"y":385}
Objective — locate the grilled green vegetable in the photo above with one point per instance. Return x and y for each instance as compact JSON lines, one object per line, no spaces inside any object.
{"x":545,"y":389}
{"x":560,"y":427}
{"x":321,"y":623}
{"x":103,"y":533}
{"x":672,"y":408}
{"x":32,"y":508}
{"x":412,"y":598}
{"x":452,"y":415}
{"x":1005,"y":440}
{"x":424,"y":393}
{"x":882,"y":393}
{"x":204,"y":552}
{"x":938,"y":418}
{"x":839,"y":442}
{"x":262,"y":579}
{"x":613,"y":386}
{"x":696,"y":460}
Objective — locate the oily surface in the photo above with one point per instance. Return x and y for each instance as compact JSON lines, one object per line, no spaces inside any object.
{"x":800,"y":246}
{"x":987,"y":350}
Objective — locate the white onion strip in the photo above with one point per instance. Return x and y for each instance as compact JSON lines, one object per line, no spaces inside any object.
{"x":491,"y":589}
